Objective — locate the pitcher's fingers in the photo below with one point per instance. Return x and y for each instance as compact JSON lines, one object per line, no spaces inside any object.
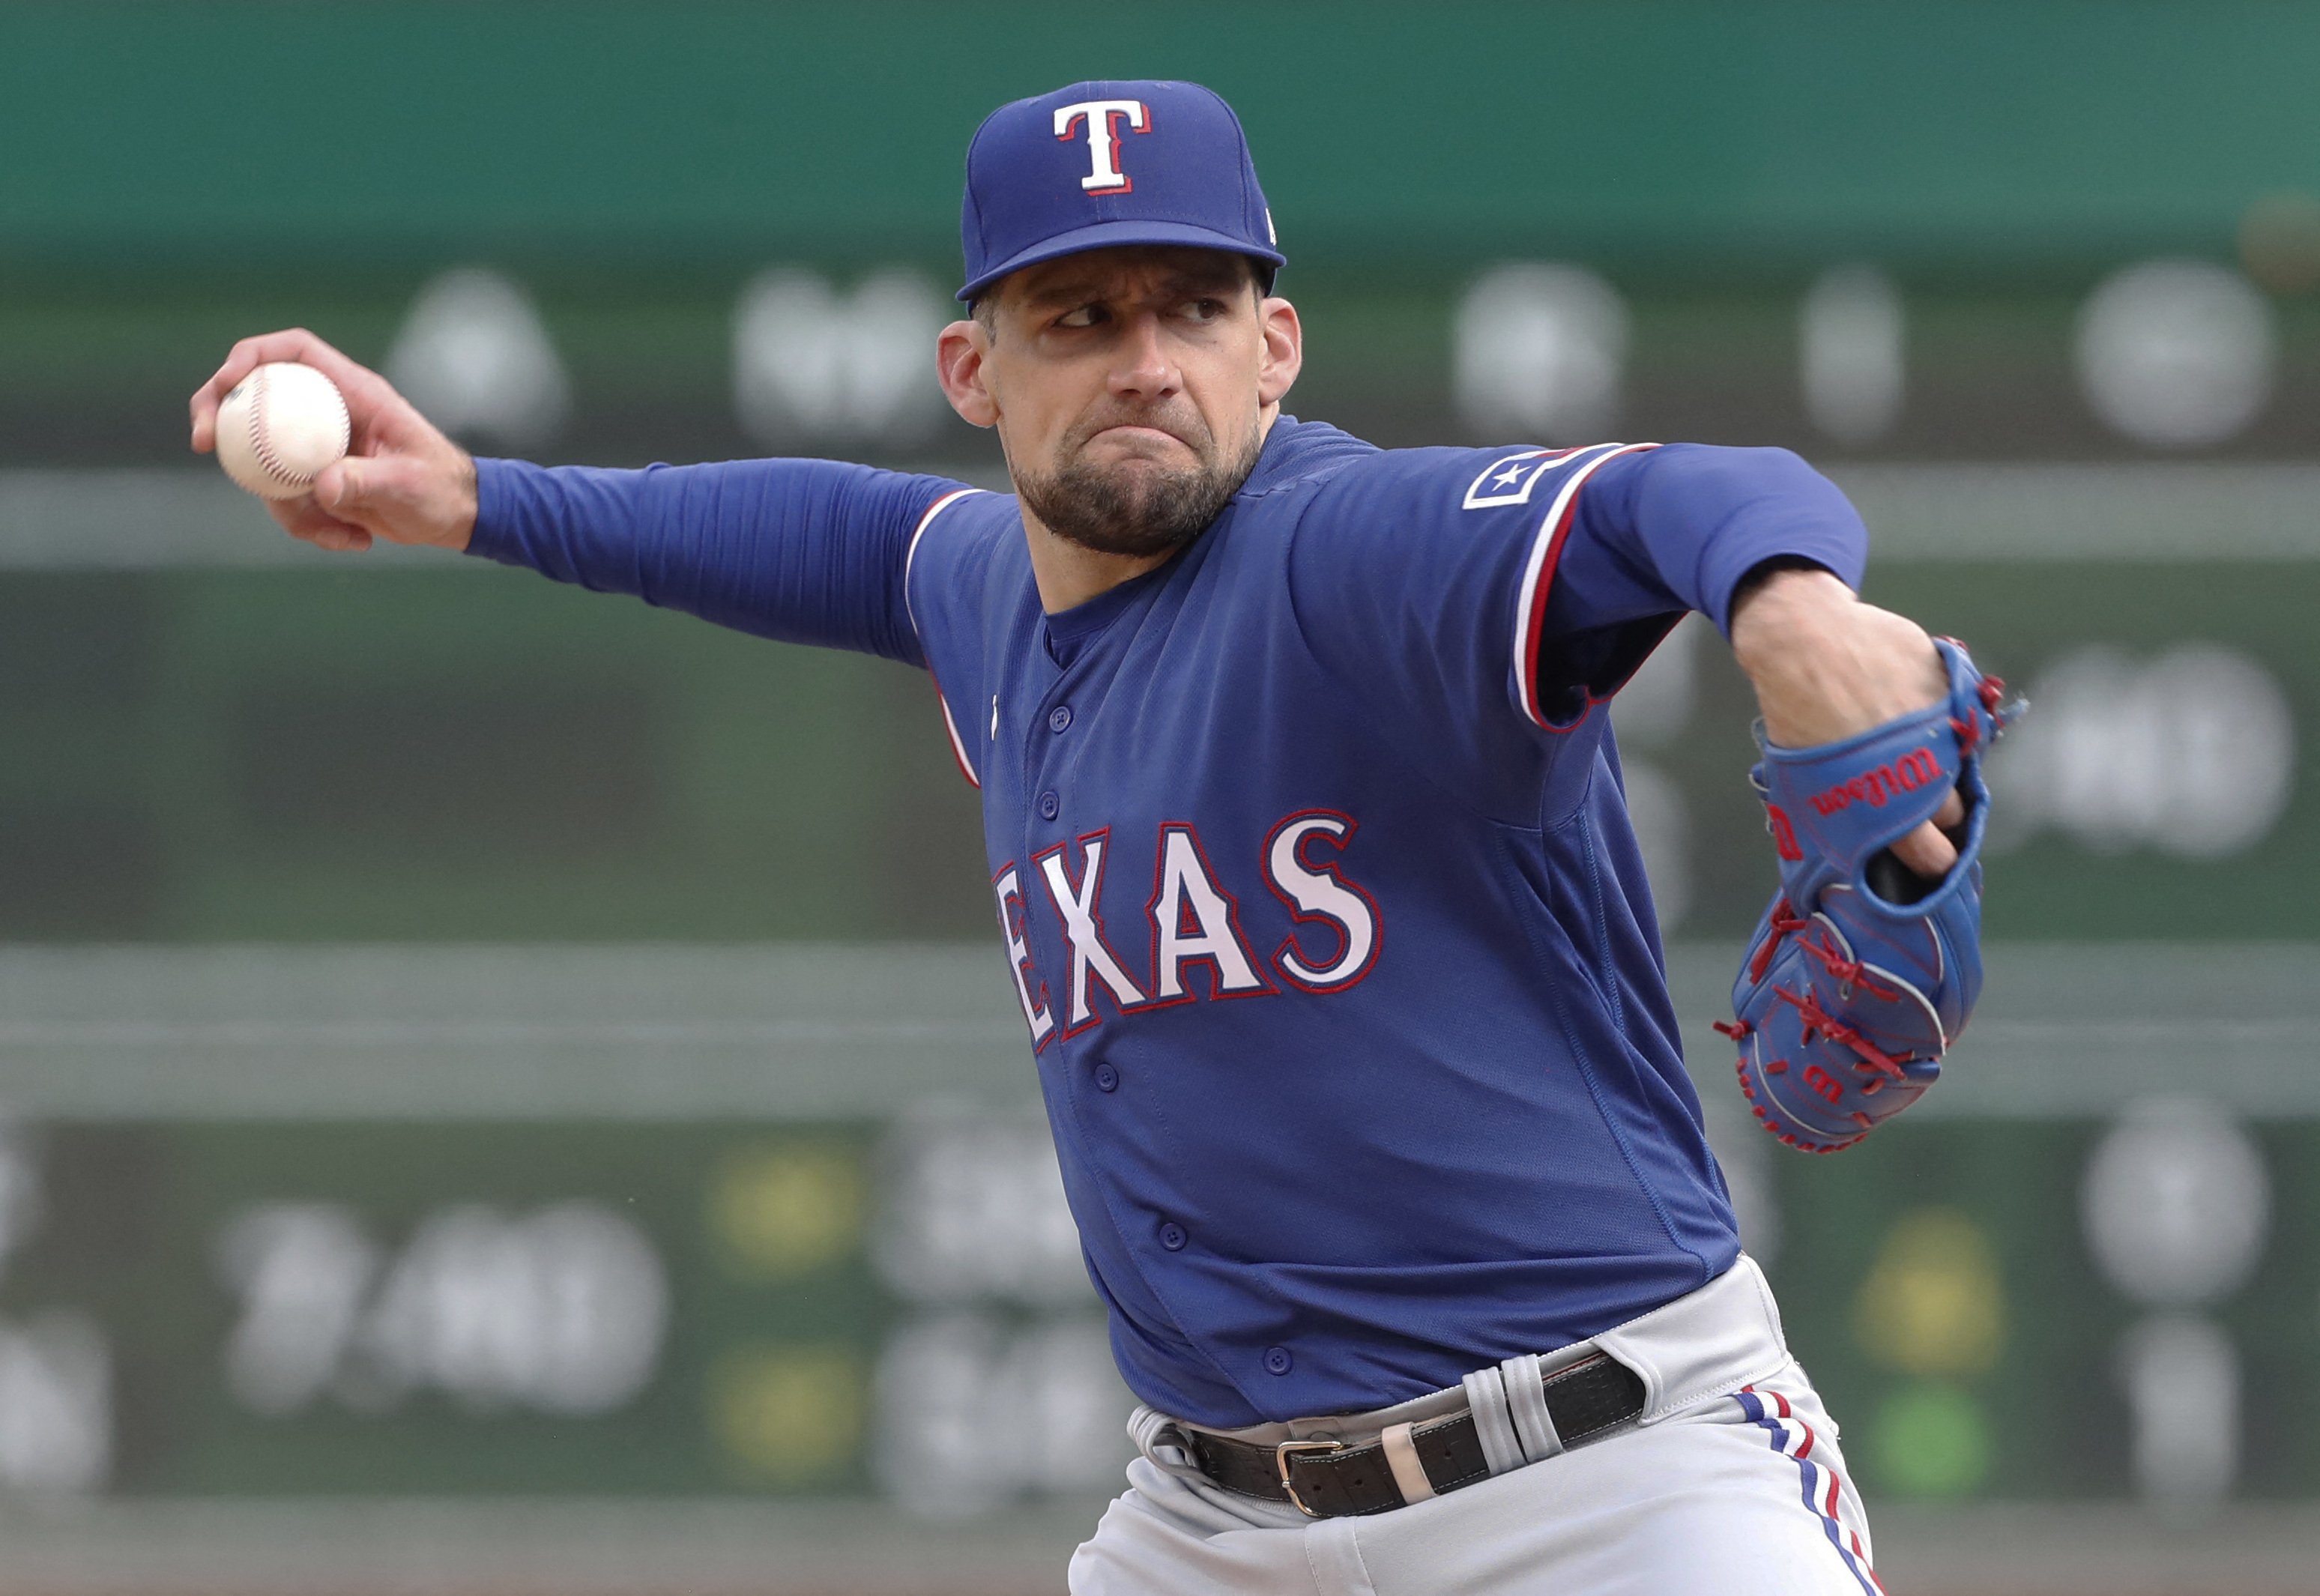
{"x":1926,"y":852}
{"x":246,"y":357}
{"x":365,"y":391}
{"x":1952,"y":812}
{"x":309,"y":522}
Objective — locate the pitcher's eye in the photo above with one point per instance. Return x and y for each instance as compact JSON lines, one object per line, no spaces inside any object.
{"x":1087,"y":315}
{"x":1203,"y":310}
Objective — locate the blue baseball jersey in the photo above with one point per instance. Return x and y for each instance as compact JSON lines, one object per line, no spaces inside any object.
{"x":1311,"y":864}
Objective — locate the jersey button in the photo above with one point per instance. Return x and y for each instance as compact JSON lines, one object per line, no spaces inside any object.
{"x":1050,"y":806}
{"x":1277,"y":1360}
{"x":1172,"y":1237}
{"x":1059,"y":718}
{"x":1107,"y":1079}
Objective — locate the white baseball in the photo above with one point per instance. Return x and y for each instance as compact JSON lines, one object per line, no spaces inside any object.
{"x":279,"y":426}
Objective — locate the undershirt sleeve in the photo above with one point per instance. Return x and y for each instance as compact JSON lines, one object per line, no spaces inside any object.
{"x":803,"y":551}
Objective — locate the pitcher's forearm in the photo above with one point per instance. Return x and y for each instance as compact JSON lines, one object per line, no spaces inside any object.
{"x":1827,"y":667}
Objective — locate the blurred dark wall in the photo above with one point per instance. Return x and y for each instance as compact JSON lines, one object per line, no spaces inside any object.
{"x":1687,"y":133}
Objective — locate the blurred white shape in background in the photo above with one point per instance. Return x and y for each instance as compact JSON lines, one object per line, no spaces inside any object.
{"x":301,"y":1270}
{"x":563,"y":1310}
{"x":974,"y":1208}
{"x":2175,"y":1204}
{"x":2193,"y":753}
{"x":1851,"y":354}
{"x":976,"y":1407}
{"x":972,"y":1413}
{"x":2176,"y":353}
{"x":475,"y":358}
{"x":1537,"y":353}
{"x":55,"y":1405}
{"x":2182,"y":1380}
{"x":810,"y":363}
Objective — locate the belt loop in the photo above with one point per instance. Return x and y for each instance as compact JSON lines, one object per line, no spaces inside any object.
{"x":1401,"y":1456}
{"x":1486,"y":1398}
{"x":1526,"y":1390}
{"x":1155,"y":1435}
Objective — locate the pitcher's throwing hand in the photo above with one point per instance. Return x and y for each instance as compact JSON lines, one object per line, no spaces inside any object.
{"x":401,"y":480}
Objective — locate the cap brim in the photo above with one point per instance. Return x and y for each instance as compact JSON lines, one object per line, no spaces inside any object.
{"x":1112,"y":235}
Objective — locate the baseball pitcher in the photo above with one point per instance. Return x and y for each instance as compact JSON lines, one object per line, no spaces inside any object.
{"x":1316,"y":886}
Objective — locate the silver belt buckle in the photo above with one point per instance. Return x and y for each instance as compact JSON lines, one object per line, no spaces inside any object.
{"x":1280,"y":1462}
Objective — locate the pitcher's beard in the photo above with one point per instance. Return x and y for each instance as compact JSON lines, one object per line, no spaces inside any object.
{"x":1113,"y":510}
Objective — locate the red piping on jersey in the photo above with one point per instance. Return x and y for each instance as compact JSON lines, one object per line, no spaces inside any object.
{"x":957,"y":743}
{"x":909,"y":557}
{"x":1542,"y":582}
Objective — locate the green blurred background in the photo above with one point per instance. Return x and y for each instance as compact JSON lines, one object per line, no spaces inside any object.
{"x":473,"y":1042}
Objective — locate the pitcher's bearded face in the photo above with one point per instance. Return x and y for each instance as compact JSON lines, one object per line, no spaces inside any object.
{"x":1129,"y":497}
{"x":1128,"y":386}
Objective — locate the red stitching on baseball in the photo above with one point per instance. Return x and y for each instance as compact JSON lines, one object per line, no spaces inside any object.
{"x":261,"y":444}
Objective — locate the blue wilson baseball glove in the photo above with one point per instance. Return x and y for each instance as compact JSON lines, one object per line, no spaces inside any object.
{"x":1862,"y":974}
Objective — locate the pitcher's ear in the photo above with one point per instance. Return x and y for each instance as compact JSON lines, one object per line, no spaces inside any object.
{"x":1284,"y":351}
{"x":959,"y":353}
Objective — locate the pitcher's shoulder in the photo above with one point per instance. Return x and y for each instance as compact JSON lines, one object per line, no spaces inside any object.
{"x":965,"y":553}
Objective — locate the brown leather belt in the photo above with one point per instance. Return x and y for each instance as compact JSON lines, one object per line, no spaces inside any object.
{"x":1330,"y":1480}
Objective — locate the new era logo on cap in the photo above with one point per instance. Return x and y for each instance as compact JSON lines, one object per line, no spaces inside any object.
{"x":1099,"y":164}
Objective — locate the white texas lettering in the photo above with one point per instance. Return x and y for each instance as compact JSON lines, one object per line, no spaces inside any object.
{"x":1093,"y":959}
{"x":1103,"y":119}
{"x":1010,"y":888}
{"x":1194,"y":920}
{"x":1317,"y":892}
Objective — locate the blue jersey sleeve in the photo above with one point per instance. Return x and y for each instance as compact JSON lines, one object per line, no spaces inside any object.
{"x":805,"y":552}
{"x":1682,"y":524}
{"x":1451,"y":586}
{"x":1655,"y":532}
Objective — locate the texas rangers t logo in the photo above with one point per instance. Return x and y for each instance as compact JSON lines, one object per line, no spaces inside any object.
{"x":1103,"y":119}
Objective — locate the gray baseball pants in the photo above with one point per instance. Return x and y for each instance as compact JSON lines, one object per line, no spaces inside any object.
{"x":1731,"y":1483}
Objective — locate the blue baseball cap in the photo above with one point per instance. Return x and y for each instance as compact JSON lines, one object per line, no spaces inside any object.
{"x":1103,"y":163}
